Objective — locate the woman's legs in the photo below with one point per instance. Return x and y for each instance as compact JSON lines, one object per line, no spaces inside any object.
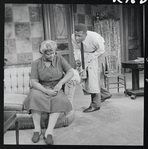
{"x":36,"y":115}
{"x":53,"y":117}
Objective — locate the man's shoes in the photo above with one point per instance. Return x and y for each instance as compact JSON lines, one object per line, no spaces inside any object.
{"x":48,"y":140}
{"x":36,"y":137}
{"x":103,"y":99}
{"x":91,"y":109}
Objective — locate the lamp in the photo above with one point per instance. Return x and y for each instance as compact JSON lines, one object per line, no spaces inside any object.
{"x":97,"y":16}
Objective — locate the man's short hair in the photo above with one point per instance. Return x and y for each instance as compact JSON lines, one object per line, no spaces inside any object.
{"x":80,"y":27}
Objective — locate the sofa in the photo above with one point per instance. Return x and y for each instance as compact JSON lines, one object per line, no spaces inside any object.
{"x":16,"y":87}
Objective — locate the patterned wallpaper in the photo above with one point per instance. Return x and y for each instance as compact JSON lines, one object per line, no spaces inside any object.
{"x":85,"y":13}
{"x":23,"y":32}
{"x":24,"y":28}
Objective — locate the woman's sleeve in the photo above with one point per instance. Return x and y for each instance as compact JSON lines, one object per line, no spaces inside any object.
{"x":34,"y":71}
{"x":65,"y":65}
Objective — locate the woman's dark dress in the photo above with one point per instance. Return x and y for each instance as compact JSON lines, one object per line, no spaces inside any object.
{"x":48,"y":77}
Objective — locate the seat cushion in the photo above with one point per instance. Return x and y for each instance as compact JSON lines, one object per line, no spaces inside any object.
{"x":113,"y":75}
{"x":26,"y":121}
{"x":14,"y":102}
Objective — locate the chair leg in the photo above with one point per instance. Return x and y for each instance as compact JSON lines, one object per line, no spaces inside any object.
{"x":107,"y":83}
{"x":125,"y":86}
{"x":118,"y":83}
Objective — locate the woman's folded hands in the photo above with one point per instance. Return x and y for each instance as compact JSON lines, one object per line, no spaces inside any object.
{"x":51,"y":92}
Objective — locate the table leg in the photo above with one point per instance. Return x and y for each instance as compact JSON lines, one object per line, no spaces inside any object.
{"x":17,"y":132}
{"x":135,"y":79}
{"x":135,"y":85}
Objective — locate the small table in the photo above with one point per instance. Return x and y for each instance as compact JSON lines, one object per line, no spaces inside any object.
{"x":9,"y":119}
{"x":134,"y":66}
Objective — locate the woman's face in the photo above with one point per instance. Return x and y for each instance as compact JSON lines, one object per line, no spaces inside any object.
{"x":49,"y":55}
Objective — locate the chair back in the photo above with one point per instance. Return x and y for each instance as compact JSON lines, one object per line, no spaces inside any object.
{"x":112,"y":64}
{"x":17,"y":80}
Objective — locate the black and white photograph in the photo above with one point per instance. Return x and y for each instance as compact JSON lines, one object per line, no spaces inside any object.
{"x":74,"y":74}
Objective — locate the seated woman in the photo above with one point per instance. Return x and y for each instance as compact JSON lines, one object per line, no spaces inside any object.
{"x":46,"y":94}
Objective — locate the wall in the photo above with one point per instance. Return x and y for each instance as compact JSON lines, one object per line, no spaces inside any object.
{"x":24,"y":28}
{"x":23,"y":32}
{"x":85,"y":13}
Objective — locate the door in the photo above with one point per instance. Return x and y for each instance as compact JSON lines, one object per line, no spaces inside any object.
{"x":61,"y":30}
{"x":132,"y":31}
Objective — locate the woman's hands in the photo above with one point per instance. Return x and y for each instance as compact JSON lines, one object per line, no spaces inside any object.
{"x":51,"y":92}
{"x":58,"y":86}
{"x":54,"y":92}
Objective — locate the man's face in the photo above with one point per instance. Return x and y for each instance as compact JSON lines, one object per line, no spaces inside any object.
{"x":80,"y":36}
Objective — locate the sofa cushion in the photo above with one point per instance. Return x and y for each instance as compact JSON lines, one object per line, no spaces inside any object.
{"x":14,"y":101}
{"x":26,"y":122}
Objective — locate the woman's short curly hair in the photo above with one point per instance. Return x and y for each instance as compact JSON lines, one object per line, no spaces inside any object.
{"x":47,"y":45}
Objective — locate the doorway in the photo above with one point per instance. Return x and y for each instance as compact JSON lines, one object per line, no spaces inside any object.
{"x":59,"y":27}
{"x":132,"y":32}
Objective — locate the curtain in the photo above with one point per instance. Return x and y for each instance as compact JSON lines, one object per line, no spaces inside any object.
{"x":109,"y":30}
{"x":46,"y":21}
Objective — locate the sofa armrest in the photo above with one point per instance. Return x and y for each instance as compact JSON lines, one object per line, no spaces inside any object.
{"x":14,"y":102}
{"x":69,"y":87}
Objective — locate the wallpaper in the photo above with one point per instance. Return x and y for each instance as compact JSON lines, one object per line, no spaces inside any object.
{"x":23,"y":32}
{"x":24,"y":28}
{"x":85,"y":13}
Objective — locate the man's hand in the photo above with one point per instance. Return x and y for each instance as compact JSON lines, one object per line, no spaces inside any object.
{"x":78,"y":69}
{"x":78,"y":63}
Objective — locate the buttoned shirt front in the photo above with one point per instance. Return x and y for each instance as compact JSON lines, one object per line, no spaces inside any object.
{"x":93,"y":44}
{"x":49,"y":76}
{"x":94,"y":48}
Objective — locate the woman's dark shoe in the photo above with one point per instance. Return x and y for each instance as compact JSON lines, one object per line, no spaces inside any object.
{"x":36,"y":137}
{"x":48,"y":140}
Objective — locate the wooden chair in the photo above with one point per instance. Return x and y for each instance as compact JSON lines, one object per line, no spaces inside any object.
{"x":112,"y":69}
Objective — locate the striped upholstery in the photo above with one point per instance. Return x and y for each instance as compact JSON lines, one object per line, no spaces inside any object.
{"x":16,"y":80}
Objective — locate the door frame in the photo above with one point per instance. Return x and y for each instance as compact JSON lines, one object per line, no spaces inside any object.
{"x":124,"y":34}
{"x":69,"y":30}
{"x":143,"y":37}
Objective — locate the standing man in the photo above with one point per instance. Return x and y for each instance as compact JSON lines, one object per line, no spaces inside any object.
{"x":93,"y":45}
